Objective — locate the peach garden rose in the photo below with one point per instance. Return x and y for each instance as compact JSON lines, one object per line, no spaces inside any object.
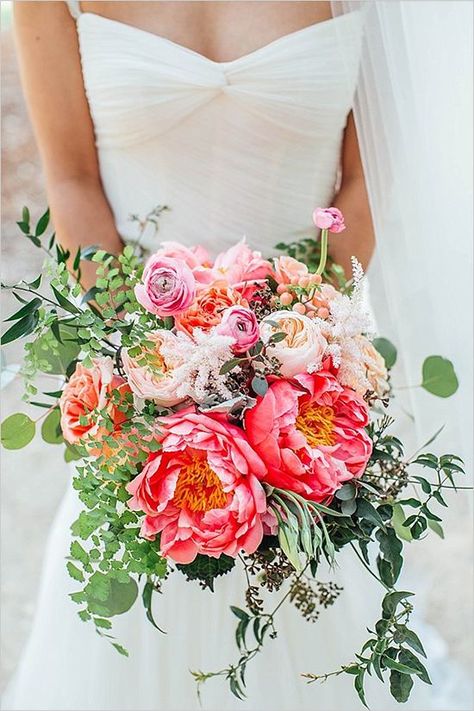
{"x":303,"y":347}
{"x":151,"y":375}
{"x":88,"y":392}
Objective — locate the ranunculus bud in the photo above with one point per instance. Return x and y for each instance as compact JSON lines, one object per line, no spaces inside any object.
{"x":168,"y":286}
{"x":329,"y":218}
{"x":241,"y":324}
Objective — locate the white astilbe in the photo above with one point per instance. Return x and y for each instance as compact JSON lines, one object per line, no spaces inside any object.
{"x":350,"y":315}
{"x":202,"y":358}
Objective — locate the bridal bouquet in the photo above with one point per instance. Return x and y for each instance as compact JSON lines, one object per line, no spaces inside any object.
{"x":228,"y":412}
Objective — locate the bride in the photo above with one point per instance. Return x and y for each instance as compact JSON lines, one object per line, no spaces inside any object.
{"x":238,"y":117}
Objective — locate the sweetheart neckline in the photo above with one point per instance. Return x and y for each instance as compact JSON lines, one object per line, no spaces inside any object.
{"x":269,"y":45}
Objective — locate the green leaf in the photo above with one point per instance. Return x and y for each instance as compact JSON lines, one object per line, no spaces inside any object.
{"x":71,"y":454}
{"x":439,"y":377}
{"x":346,"y":492}
{"x":406,"y":657}
{"x":51,"y":428}
{"x":25,"y":215}
{"x":118,"y":596}
{"x":359,"y":687}
{"x":238,"y":612}
{"x":349,"y":507}
{"x":147,"y":596}
{"x":387,"y":350}
{"x":21,"y":328}
{"x":392,"y":600}
{"x":74,"y":572}
{"x":400,"y":686}
{"x":367,"y":511}
{"x":64,"y":302}
{"x":31,"y":306}
{"x":42,"y":224}
{"x":259,"y":385}
{"x":206,"y":569}
{"x":398,"y":519}
{"x":229,"y":365}
{"x":17,"y":431}
{"x":412,"y":639}
{"x":436,"y":528}
{"x":398,"y":666}
{"x":65,"y":350}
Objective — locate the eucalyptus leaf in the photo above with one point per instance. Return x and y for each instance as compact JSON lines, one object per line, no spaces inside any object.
{"x":17,"y":431}
{"x":387,"y":350}
{"x":439,"y":377}
{"x":51,"y":428}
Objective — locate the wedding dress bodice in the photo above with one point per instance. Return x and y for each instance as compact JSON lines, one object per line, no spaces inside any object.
{"x":245,"y":147}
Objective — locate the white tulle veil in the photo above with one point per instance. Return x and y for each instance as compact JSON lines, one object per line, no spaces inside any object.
{"x":413,"y":115}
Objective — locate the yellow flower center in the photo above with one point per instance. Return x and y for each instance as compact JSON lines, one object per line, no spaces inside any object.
{"x":198,"y":487}
{"x":316,"y":422}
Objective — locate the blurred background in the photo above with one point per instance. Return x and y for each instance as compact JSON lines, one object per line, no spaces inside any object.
{"x":33,"y":479}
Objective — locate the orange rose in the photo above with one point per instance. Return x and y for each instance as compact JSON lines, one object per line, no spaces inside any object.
{"x":85,"y":394}
{"x":207,"y":309}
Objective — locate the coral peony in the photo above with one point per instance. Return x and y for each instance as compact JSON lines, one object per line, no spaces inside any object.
{"x":241,"y":324}
{"x":151,"y":375}
{"x":304,"y":345}
{"x":201,"y":491}
{"x":87,"y":393}
{"x":168,"y":286}
{"x":207,"y":309}
{"x":240,"y":263}
{"x":310,"y":434}
{"x":288,"y":268}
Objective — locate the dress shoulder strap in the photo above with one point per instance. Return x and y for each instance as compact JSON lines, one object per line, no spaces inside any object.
{"x":74,"y":8}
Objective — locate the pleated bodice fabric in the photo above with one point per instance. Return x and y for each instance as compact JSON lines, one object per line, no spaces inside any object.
{"x":245,"y":147}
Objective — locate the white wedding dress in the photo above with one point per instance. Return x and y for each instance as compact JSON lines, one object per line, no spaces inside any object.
{"x":245,"y":147}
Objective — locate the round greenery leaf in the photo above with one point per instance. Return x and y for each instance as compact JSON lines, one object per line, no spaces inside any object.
{"x":387,"y":350}
{"x":57,"y":356}
{"x":439,"y":377}
{"x":17,"y":431}
{"x":113,"y":597}
{"x":51,"y":429}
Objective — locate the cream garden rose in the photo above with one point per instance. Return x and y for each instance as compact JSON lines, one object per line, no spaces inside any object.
{"x":151,"y":376}
{"x":303,"y":348}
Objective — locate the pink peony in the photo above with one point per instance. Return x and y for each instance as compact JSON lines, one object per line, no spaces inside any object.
{"x":196,"y":258}
{"x":329,"y":218}
{"x":201,"y":491}
{"x":241,"y":324}
{"x":240,"y":263}
{"x":88,"y":392}
{"x":168,"y":286}
{"x":310,"y":434}
{"x":288,"y":269}
{"x":151,"y":375}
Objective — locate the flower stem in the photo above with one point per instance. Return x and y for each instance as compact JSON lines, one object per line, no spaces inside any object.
{"x":324,"y":252}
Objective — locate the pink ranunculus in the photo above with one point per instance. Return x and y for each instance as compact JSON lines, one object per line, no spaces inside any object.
{"x":168,"y":286}
{"x":151,"y":375}
{"x":240,"y":263}
{"x":88,"y":392}
{"x":241,"y":324}
{"x":310,"y":434}
{"x":201,"y":491}
{"x":288,"y":268}
{"x":329,"y":218}
{"x":304,"y":345}
{"x":196,"y":258}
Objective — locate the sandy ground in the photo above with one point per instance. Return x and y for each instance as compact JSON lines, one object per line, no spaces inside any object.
{"x":34,"y":479}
